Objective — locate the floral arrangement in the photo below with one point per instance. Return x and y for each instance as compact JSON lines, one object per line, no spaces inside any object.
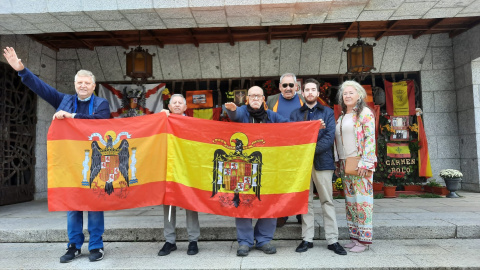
{"x":166,"y":97}
{"x":324,"y":91}
{"x":450,"y":173}
{"x":339,"y":184}
{"x":270,"y":88}
{"x":413,"y":128}
{"x":388,"y":129}
{"x":394,"y":177}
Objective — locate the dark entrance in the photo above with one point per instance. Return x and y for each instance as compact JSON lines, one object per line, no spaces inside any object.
{"x":18,"y":106}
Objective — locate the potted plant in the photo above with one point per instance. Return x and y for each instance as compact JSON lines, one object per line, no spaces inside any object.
{"x":428,"y":187}
{"x":377,"y":185}
{"x":452,"y":179}
{"x":390,"y":185}
{"x":436,"y":188}
{"x":339,"y":186}
{"x":410,"y":186}
{"x":389,"y":190}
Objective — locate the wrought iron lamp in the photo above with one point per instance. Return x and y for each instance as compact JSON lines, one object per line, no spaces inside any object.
{"x":139,"y":64}
{"x":360,"y":58}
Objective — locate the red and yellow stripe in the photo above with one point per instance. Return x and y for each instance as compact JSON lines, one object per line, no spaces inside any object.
{"x":287,"y":157}
{"x":69,"y":139}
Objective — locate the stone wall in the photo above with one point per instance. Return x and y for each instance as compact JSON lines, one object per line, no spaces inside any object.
{"x":467,"y":85}
{"x":43,"y":62}
{"x":432,"y":55}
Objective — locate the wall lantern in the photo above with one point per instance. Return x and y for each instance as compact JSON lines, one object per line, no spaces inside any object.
{"x":139,"y":64}
{"x":360,"y":58}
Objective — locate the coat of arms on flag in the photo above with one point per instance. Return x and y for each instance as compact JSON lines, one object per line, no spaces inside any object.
{"x":128,"y":100}
{"x":109,"y":163}
{"x":236,"y":171}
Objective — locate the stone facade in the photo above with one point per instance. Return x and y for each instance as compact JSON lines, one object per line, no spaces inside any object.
{"x":466,"y":51}
{"x":48,"y":16}
{"x":450,"y":93}
{"x":43,"y":62}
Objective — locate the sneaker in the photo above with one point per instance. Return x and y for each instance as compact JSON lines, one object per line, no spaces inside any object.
{"x":72,"y":253}
{"x":268,"y":248}
{"x":243,"y":250}
{"x":96,"y":254}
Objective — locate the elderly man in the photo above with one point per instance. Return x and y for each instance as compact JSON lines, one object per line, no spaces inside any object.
{"x":285,"y":103}
{"x":287,"y":100}
{"x":82,"y":105}
{"x":178,"y":105}
{"x":323,"y":167}
{"x":254,"y":112}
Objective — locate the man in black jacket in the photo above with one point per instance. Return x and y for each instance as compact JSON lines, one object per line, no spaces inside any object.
{"x":323,"y":168}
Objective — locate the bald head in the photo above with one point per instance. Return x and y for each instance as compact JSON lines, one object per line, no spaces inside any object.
{"x":255,"y":97}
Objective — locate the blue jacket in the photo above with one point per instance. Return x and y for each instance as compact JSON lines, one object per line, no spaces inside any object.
{"x":323,"y":159}
{"x":243,"y":116}
{"x":66,"y":102}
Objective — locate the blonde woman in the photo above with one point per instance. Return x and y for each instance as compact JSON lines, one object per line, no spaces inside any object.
{"x":355,"y":136}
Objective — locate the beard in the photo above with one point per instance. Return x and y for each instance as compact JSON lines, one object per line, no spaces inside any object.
{"x":311,"y":102}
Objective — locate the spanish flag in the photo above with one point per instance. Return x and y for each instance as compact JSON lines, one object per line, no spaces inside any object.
{"x":424,"y":167}
{"x":240,"y":170}
{"x":398,"y":150}
{"x":209,"y":114}
{"x":111,"y":164}
{"x":400,"y":97}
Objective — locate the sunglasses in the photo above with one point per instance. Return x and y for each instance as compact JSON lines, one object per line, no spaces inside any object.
{"x":284,"y":85}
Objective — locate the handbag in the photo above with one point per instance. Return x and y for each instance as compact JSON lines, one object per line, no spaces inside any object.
{"x":351,"y":163}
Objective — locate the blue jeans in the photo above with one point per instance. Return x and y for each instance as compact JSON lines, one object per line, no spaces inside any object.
{"x":96,"y":227}
{"x":263,"y":232}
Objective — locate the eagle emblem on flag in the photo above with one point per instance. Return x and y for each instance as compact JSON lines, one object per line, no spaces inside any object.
{"x":110,"y":162}
{"x":236,"y":171}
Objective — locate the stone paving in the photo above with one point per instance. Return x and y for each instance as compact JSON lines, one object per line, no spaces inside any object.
{"x":412,"y":233}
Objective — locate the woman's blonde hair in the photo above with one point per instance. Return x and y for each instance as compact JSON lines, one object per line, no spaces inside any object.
{"x":361,"y":93}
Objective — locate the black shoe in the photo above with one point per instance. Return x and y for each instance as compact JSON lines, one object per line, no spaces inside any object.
{"x":167,"y":248}
{"x":96,"y":254}
{"x":337,"y":249}
{"x":72,"y":253}
{"x":281,"y":221}
{"x":192,"y":248}
{"x":304,"y":246}
{"x":299,"y":219}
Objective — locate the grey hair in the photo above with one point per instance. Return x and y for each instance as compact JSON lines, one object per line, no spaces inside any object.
{"x":288,"y":75}
{"x":84,"y":73}
{"x":177,"y":95}
{"x":361,"y":92}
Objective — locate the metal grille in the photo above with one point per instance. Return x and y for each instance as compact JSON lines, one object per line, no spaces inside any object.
{"x":18,"y":106}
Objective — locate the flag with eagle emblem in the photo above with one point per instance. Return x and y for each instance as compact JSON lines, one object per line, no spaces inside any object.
{"x":238,"y":169}
{"x":230,"y":169}
{"x":108,"y":164}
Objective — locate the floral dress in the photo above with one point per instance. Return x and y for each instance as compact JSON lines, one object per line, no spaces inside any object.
{"x":359,"y":190}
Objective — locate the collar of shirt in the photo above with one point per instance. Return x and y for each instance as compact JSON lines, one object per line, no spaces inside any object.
{"x":87,"y":99}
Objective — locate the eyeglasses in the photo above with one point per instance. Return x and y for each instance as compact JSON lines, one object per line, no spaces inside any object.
{"x":284,"y":85}
{"x":255,"y":96}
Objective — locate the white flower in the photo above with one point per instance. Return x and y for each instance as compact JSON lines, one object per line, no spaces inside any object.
{"x":450,"y":173}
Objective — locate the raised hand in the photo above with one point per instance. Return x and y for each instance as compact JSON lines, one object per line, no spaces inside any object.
{"x":12,"y":59}
{"x":231,"y":106}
